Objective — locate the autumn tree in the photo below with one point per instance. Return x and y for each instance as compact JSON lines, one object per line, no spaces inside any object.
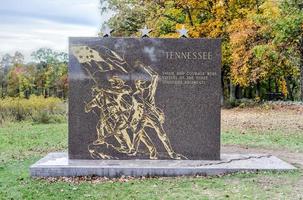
{"x":202,"y":18}
{"x":14,"y":66}
{"x":266,"y":49}
{"x":51,"y":77}
{"x":288,"y":37}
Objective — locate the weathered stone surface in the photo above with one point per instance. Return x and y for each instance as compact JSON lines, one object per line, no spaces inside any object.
{"x":162,"y":95}
{"x":58,"y":164}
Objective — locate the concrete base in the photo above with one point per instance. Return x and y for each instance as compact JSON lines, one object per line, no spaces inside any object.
{"x":57,"y":164}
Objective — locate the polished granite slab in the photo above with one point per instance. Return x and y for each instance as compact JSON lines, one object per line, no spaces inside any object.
{"x":144,"y":98}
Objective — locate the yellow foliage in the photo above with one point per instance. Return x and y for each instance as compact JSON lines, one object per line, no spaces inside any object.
{"x":270,"y":9}
{"x":242,"y":35}
{"x":21,"y":108}
{"x":283,"y":87}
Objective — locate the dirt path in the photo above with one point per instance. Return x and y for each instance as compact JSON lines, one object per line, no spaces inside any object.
{"x":286,"y":119}
{"x":293,"y":158}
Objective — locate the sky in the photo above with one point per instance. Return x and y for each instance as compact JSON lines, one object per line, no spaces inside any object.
{"x":27,"y":25}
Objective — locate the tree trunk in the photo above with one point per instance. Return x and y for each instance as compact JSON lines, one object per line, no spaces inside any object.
{"x":238,"y":92}
{"x":189,"y":15}
{"x":269,"y":85}
{"x":250,"y":93}
{"x":2,"y":89}
{"x":232,"y":95}
{"x":289,"y":89}
{"x":222,"y":87}
{"x":258,"y":90}
{"x":301,"y":68}
{"x":301,"y":79}
{"x":276,"y":86}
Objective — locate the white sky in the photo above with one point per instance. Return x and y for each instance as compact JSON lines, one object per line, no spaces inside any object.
{"x":26,"y":25}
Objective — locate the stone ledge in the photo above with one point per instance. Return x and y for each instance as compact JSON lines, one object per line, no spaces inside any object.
{"x":57,"y":164}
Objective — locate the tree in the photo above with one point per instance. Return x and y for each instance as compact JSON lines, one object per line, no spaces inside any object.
{"x":6,"y":61}
{"x":2,"y":77}
{"x":262,"y":52}
{"x":18,"y":58}
{"x":5,"y":64}
{"x":51,"y":72}
{"x":14,"y":75}
{"x":202,"y":18}
{"x":288,"y":34}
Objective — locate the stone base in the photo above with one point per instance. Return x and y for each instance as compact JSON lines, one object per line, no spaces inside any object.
{"x":57,"y":164}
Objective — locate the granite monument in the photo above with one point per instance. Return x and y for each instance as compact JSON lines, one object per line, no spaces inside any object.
{"x":144,"y":98}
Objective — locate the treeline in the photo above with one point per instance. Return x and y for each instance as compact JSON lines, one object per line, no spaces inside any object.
{"x":262,"y":46}
{"x":262,"y":39}
{"x":45,"y":76}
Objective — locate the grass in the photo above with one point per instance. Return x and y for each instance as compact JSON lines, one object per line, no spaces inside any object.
{"x":291,"y":141}
{"x":24,"y":143}
{"x":20,"y":141}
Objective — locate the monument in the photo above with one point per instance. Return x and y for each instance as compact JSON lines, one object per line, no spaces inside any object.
{"x":144,"y":98}
{"x":146,"y":107}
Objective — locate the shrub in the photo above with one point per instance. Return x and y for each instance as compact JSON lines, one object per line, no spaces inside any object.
{"x":36,"y":108}
{"x":242,"y":103}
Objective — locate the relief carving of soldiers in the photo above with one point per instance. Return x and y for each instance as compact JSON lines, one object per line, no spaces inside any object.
{"x":126,"y":109}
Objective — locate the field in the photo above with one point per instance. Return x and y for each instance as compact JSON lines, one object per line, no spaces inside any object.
{"x":276,"y":130}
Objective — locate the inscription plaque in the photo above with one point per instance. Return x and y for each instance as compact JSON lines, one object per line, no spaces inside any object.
{"x":144,"y":98}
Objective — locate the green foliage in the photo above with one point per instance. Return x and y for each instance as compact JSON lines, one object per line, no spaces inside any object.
{"x":36,"y":108}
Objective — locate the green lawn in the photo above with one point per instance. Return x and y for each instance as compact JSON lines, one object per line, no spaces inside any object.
{"x":274,"y":139}
{"x":21,"y":144}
